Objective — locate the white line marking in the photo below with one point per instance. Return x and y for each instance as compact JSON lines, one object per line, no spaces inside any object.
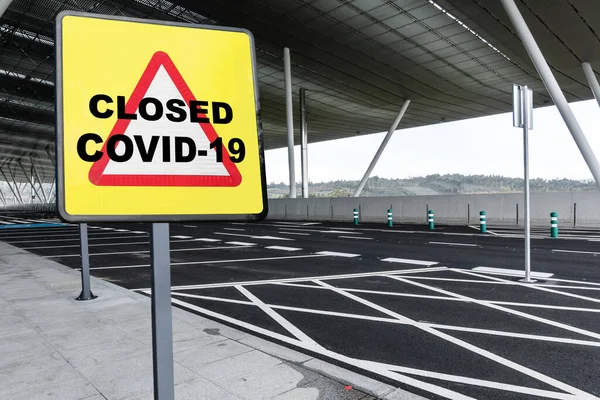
{"x":104,"y":244}
{"x":515,"y":334}
{"x":409,"y":261}
{"x":148,"y":251}
{"x":241,"y":243}
{"x":190,"y":226}
{"x":355,"y":237}
{"x":337,"y":254}
{"x":428,"y":278}
{"x":369,"y":366}
{"x":65,"y":236}
{"x":291,"y":328}
{"x":344,"y":232}
{"x":234,"y":229}
{"x":486,"y":303}
{"x":73,"y":240}
{"x":212,"y":262}
{"x":555,"y":286}
{"x":251,"y":236}
{"x":295,"y":233}
{"x":308,"y":278}
{"x":181,"y":237}
{"x":576,"y":251}
{"x":456,"y":244}
{"x":211,"y":298}
{"x":544,"y":289}
{"x":484,"y":353}
{"x":207,"y":240}
{"x":283,"y":248}
{"x":511,"y":272}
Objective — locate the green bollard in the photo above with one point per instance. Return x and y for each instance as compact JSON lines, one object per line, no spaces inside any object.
{"x":356,"y":216}
{"x":390,"y":218}
{"x":430,"y":219}
{"x":554,"y":224}
{"x":482,"y":222}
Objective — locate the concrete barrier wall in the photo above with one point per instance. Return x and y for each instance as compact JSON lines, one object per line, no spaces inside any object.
{"x":449,"y":209}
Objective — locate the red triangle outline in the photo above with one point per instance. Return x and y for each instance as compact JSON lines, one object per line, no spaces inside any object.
{"x":96,"y":172}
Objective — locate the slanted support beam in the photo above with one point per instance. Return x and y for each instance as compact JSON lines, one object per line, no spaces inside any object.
{"x":592,"y":80}
{"x":13,"y":188}
{"x":29,"y":180}
{"x":37,"y":175}
{"x":4,"y":6}
{"x":289,"y":116}
{"x":384,"y":143}
{"x":552,"y":86}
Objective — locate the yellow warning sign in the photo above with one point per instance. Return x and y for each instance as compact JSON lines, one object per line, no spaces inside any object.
{"x":156,"y":121}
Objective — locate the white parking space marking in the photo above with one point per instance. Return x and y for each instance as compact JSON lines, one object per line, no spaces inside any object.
{"x":511,"y":272}
{"x":241,"y":243}
{"x":337,"y":254}
{"x":90,"y":238}
{"x":252,"y":236}
{"x":409,"y":261}
{"x":190,"y":226}
{"x":283,"y":248}
{"x":148,"y":251}
{"x":594,"y":253}
{"x":207,"y":240}
{"x":213,"y":262}
{"x":355,"y":237}
{"x":234,"y":229}
{"x":181,"y":237}
{"x":67,"y":235}
{"x":103,"y":244}
{"x":455,"y":244}
{"x":295,"y":233}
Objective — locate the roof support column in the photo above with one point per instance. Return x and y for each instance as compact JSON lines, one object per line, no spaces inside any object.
{"x":13,"y":188}
{"x":592,"y":80}
{"x":384,"y":143}
{"x":289,"y":116}
{"x":2,"y":197}
{"x":4,"y":5}
{"x":552,"y":86}
{"x":304,"y":134}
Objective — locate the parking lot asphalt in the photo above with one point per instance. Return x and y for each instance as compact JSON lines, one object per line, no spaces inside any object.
{"x":442,"y":314}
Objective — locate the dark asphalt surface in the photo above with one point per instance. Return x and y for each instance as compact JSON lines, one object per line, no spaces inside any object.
{"x":437,"y":324}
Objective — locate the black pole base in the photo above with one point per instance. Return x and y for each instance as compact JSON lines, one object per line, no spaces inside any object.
{"x":82,"y":298}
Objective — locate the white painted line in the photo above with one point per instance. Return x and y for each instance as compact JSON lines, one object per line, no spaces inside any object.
{"x":456,"y":244}
{"x":409,"y":261}
{"x":486,"y":303}
{"x":340,"y":357}
{"x":71,"y":240}
{"x":213,"y":262}
{"x":511,"y":272}
{"x":102,"y":244}
{"x":576,"y":251}
{"x":544,"y":289}
{"x":482,"y":352}
{"x":555,"y":286}
{"x":207,"y":240}
{"x":220,"y":299}
{"x":234,"y":229}
{"x":343,"y":232}
{"x":308,"y":278}
{"x":518,"y":335}
{"x":241,"y":243}
{"x":148,"y":251}
{"x":295,"y":233}
{"x":251,"y":236}
{"x":121,"y":230}
{"x":287,"y":325}
{"x":283,"y":248}
{"x":460,"y":280}
{"x":190,"y":226}
{"x":355,"y":237}
{"x":337,"y":254}
{"x":181,"y":237}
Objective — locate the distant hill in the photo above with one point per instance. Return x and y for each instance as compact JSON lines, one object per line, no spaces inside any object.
{"x":434,"y":184}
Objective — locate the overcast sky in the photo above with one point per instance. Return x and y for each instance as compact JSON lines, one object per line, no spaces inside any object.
{"x":488,"y":145}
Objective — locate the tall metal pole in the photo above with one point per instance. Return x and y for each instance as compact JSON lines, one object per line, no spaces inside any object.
{"x":289,"y":116}
{"x":384,"y":143}
{"x":592,"y":80}
{"x":162,"y":320}
{"x":304,"y":134}
{"x":527,"y":103}
{"x":86,"y":291}
{"x":552,"y":86}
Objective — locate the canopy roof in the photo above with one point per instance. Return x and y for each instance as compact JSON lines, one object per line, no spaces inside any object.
{"x":357,"y":59}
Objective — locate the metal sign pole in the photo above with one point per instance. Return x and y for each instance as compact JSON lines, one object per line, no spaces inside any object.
{"x":86,"y":292}
{"x":162,"y":323}
{"x":526,"y":104}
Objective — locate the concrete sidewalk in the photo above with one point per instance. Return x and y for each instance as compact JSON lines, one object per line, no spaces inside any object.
{"x":53,"y":347}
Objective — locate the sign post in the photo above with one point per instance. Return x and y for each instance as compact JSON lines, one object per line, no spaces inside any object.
{"x":523,"y":118}
{"x":148,"y":130}
{"x":86,"y":291}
